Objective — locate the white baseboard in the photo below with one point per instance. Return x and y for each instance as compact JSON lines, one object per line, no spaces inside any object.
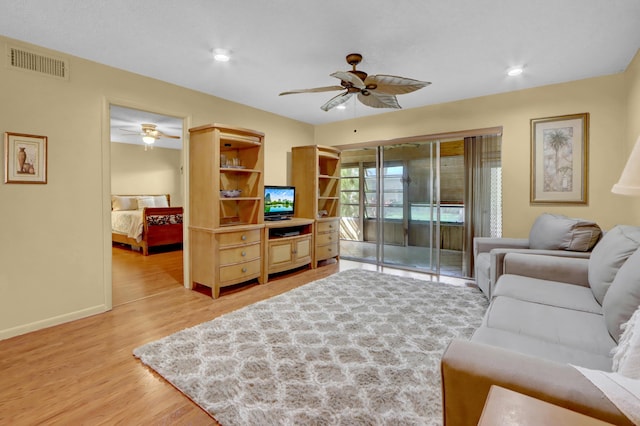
{"x":50,"y":322}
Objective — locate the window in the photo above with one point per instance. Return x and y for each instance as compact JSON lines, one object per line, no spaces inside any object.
{"x":393,"y":195}
{"x":350,"y":191}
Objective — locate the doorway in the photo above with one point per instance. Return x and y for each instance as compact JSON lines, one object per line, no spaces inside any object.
{"x":150,"y":167}
{"x":406,"y":205}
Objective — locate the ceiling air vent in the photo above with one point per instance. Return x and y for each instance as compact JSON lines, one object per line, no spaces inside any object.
{"x":30,"y":61}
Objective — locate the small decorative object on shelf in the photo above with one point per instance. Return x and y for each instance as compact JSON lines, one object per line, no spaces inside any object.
{"x":230,"y":193}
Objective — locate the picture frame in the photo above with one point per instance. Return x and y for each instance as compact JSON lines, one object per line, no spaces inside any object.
{"x":25,"y":158}
{"x":559,"y":159}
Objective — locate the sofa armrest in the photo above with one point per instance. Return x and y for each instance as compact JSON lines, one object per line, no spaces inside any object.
{"x":571,"y":270}
{"x":497,"y":259}
{"x":486,"y":244}
{"x":469,"y":369}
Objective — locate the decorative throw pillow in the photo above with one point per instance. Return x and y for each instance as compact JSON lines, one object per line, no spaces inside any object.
{"x":145,"y":202}
{"x":626,"y":356}
{"x":123,"y":203}
{"x":608,"y":256}
{"x":558,"y":232}
{"x":623,"y":296}
{"x":160,"y":201}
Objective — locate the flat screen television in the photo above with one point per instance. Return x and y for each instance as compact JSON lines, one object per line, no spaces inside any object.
{"x":279,"y":202}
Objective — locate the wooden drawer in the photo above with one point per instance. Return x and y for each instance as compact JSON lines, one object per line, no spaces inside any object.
{"x":326,"y":252}
{"x":239,"y":237}
{"x":326,"y":238}
{"x":327,"y":226}
{"x":239,"y":272}
{"x":239,"y":254}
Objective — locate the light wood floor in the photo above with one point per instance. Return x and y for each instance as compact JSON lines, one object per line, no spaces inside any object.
{"x":83,"y":372}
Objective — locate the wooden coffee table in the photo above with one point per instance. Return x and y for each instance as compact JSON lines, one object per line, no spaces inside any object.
{"x":506,"y":407}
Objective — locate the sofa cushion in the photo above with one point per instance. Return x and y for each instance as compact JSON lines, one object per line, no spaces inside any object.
{"x":558,"y":232}
{"x":626,"y":357}
{"x":541,"y":348}
{"x":553,"y":293}
{"x":483,"y":271}
{"x":623,"y":297}
{"x":608,"y":256}
{"x":581,"y":330}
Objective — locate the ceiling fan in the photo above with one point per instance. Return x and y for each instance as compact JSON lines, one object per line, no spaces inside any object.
{"x":376,"y":91}
{"x":150,"y":133}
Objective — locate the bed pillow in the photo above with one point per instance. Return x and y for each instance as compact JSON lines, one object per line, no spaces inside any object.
{"x":160,"y":201}
{"x":558,"y":232}
{"x":124,"y":203}
{"x":626,"y":356}
{"x":145,"y":202}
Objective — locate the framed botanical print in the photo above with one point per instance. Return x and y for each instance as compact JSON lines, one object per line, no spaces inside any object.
{"x":559,"y":159}
{"x":25,"y":158}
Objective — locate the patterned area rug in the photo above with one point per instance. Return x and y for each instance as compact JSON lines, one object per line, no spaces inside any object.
{"x":356,"y":348}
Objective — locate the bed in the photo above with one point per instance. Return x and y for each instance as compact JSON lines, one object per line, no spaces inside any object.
{"x":145,"y":221}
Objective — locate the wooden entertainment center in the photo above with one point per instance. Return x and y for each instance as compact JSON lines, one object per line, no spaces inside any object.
{"x":230,"y":242}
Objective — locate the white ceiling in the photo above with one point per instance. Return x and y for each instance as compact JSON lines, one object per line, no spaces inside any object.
{"x":126,"y":127}
{"x":463,"y":47}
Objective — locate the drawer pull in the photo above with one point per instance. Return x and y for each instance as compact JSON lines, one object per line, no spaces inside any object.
{"x":244,"y":237}
{"x":244,"y":270}
{"x":330,"y":225}
{"x":244,"y":253}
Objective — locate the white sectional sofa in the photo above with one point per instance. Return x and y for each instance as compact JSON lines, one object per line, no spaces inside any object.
{"x":548,"y":314}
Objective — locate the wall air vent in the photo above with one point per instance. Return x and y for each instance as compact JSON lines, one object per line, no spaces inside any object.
{"x":30,"y":61}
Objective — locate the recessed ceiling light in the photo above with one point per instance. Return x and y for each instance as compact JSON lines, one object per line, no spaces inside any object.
{"x":221,"y":55}
{"x":512,"y":72}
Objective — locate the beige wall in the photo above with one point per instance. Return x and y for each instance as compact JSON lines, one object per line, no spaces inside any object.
{"x":154,"y":171}
{"x":605,"y":98}
{"x":633,"y":118}
{"x":55,"y":237}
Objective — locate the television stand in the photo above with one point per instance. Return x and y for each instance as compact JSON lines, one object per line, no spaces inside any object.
{"x":288,"y":245}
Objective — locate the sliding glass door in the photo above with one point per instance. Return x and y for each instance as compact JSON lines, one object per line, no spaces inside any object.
{"x":419,"y":205}
{"x":390,"y":205}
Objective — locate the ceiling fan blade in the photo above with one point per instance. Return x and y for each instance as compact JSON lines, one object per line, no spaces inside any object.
{"x":315,"y":90}
{"x":379,"y":100}
{"x":349,"y":77}
{"x":133,"y":132}
{"x":394,"y":85}
{"x":163,"y":135}
{"x":336,"y":100}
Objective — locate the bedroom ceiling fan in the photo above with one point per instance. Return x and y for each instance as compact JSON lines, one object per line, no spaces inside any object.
{"x":150,"y":133}
{"x":376,"y":91}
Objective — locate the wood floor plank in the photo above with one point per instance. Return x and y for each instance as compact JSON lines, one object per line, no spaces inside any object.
{"x":83,"y":372}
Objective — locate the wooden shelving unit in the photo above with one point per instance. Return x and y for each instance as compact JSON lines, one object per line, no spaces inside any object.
{"x":225,"y":229}
{"x":316,"y":176}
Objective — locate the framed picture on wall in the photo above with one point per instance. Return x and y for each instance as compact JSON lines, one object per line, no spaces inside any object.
{"x":559,"y":159}
{"x":25,"y":158}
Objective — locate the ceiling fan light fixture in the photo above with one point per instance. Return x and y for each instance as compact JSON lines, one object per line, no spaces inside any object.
{"x":221,"y":55}
{"x":515,"y":71}
{"x":343,"y":106}
{"x":148,"y":139}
